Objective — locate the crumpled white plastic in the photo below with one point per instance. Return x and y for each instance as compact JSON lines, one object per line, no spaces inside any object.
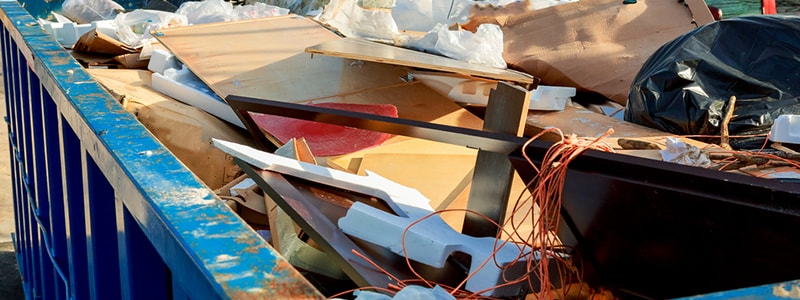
{"x":207,"y":11}
{"x":679,"y":152}
{"x":211,"y":11}
{"x":87,"y":11}
{"x":484,"y":47}
{"x":134,"y":28}
{"x":353,"y":20}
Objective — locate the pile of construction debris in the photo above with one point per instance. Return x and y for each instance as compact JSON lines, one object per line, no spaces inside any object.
{"x":217,"y":82}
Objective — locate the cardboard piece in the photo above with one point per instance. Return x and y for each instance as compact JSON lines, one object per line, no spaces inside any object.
{"x":586,"y":123}
{"x":96,"y":48}
{"x":186,"y":131}
{"x":95,"y":41}
{"x":593,"y":45}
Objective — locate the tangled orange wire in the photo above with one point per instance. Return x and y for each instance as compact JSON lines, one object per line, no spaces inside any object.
{"x":546,"y":191}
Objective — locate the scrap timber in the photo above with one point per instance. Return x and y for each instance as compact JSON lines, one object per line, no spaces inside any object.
{"x":614,"y":204}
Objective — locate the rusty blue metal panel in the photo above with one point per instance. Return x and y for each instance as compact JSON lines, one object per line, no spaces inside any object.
{"x":782,"y":290}
{"x":208,"y":252}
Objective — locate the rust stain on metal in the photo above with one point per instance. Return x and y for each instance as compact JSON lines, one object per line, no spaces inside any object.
{"x":790,"y":291}
{"x":60,"y":60}
{"x":295,"y":289}
{"x":288,"y":284}
{"x":252,"y":244}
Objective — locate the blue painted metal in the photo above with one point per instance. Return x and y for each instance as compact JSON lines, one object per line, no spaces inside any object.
{"x":782,"y":290}
{"x":74,"y":224}
{"x":103,"y":210}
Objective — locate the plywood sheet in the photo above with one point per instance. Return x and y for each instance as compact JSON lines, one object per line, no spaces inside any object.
{"x":522,"y":215}
{"x":415,"y":101}
{"x":360,"y":49}
{"x":265,"y":58}
{"x":399,"y":144}
{"x":440,"y":177}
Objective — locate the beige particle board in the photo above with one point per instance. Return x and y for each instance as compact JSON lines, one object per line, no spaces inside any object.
{"x":440,"y":177}
{"x":415,"y":101}
{"x":360,"y":49}
{"x":398,"y":144}
{"x":264,"y":58}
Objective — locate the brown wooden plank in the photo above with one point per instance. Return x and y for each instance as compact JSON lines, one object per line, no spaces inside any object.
{"x":491,"y":183}
{"x":415,"y":101}
{"x":360,"y":49}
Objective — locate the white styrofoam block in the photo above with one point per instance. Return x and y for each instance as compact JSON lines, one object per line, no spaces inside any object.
{"x":68,"y":33}
{"x":430,"y":241}
{"x":786,"y":129}
{"x":194,"y":94}
{"x":476,"y":91}
{"x":551,"y":97}
{"x":107,"y":27}
{"x":161,"y":60}
{"x":367,"y":185}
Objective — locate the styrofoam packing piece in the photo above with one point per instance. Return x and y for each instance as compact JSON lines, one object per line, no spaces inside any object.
{"x":171,"y":78}
{"x":546,"y":97}
{"x":475,"y":91}
{"x":68,"y":33}
{"x":367,"y":185}
{"x":161,"y":60}
{"x":430,"y":241}
{"x":786,"y":129}
{"x":190,"y":90}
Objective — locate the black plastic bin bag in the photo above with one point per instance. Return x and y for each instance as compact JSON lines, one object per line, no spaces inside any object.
{"x":684,"y":87}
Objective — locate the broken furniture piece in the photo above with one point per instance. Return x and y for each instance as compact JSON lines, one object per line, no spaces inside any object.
{"x":316,"y":208}
{"x":617,"y":210}
{"x":430,"y":242}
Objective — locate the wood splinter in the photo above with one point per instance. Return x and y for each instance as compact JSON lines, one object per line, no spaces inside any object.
{"x":723,"y":128}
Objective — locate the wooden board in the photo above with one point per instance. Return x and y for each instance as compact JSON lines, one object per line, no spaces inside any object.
{"x":264,"y":58}
{"x":491,"y":185}
{"x":440,"y":177}
{"x":399,"y":144}
{"x":415,"y":101}
{"x":355,"y":48}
